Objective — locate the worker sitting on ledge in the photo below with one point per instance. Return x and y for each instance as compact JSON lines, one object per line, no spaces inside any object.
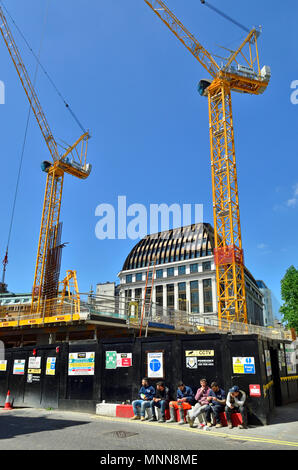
{"x":161,"y":401}
{"x":185,"y":401}
{"x":236,"y":404}
{"x":146,"y":394}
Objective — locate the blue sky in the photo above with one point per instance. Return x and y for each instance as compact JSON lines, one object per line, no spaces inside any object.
{"x":134,"y":86}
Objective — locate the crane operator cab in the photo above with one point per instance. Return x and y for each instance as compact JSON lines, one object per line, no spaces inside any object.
{"x":69,"y":166}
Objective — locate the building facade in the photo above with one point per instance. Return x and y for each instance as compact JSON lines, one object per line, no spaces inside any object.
{"x":184,"y":273}
{"x":271,"y":306}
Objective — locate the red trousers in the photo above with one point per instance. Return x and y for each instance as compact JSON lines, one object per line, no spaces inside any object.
{"x":184,"y":405}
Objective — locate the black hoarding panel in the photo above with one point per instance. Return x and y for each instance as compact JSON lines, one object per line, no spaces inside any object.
{"x":202,"y":358}
{"x":159,"y":362}
{"x":118,"y":372}
{"x":33,"y":381}
{"x":51,"y":377}
{"x":81,"y":370}
{"x":4,"y":376}
{"x":18,"y":375}
{"x":246,"y":356}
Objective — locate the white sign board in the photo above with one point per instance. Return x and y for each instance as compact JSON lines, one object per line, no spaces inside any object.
{"x":155,"y":365}
{"x":81,"y":363}
{"x":19,"y":366}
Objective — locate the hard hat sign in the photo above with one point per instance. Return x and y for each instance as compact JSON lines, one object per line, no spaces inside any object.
{"x":155,"y":365}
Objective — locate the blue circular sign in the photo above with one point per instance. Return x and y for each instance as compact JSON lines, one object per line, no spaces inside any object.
{"x":155,"y":365}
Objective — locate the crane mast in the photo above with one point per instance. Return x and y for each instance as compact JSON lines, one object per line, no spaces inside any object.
{"x":231,"y":76}
{"x":73,"y":162}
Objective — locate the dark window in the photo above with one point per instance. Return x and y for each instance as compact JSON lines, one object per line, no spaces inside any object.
{"x":170,"y":272}
{"x":159,"y":295}
{"x":129,"y":278}
{"x":207,"y":266}
{"x":182,"y":296}
{"x":170,"y":295}
{"x":207,"y":293}
{"x":138,"y":293}
{"x":194,"y":268}
{"x":159,"y":273}
{"x":194,"y":297}
{"x":139,"y":277}
{"x":181,"y":270}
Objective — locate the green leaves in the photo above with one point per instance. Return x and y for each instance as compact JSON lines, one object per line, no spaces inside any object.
{"x":289,"y":294}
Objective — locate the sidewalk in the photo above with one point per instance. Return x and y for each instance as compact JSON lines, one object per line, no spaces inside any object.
{"x":37,"y":428}
{"x":283,"y":428}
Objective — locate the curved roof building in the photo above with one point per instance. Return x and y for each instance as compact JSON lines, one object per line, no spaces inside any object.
{"x":185,"y":274}
{"x":193,"y":241}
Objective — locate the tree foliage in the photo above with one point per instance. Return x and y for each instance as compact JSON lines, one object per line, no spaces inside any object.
{"x":289,"y":295}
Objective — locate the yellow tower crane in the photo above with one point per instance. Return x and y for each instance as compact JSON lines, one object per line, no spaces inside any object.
{"x":241,"y":72}
{"x":73,"y":161}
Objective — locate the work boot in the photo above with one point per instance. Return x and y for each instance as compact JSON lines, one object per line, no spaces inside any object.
{"x":135,"y":417}
{"x":172,"y":416}
{"x":242,"y":426}
{"x":218,"y":425}
{"x":162,"y":420}
{"x":230,"y":425}
{"x":181,"y":414}
{"x":152,"y":419}
{"x":190,"y":420}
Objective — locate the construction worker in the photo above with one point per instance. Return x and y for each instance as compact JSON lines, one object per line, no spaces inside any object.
{"x":198,"y":410}
{"x":161,"y":401}
{"x":236,"y":404}
{"x":146,"y":394}
{"x":185,"y":401}
{"x":217,"y":400}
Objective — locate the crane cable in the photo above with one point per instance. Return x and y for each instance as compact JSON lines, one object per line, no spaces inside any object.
{"x":5,"y":261}
{"x":221,"y":13}
{"x":45,"y":71}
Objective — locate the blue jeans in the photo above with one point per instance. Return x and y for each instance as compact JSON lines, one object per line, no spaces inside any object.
{"x":162,"y":404}
{"x":216,"y":410}
{"x":143,"y":404}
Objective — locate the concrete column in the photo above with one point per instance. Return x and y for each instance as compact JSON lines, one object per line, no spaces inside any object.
{"x":164,"y":292}
{"x":214,"y":294}
{"x":188,"y":305}
{"x":122,"y":302}
{"x":176,"y":296}
{"x":201,"y":296}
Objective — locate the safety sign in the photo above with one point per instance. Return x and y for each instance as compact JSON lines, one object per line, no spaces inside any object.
{"x":254,"y":390}
{"x":191,"y":363}
{"x":244,"y":365}
{"x":51,"y":366}
{"x":201,"y":352}
{"x":155,"y":365}
{"x":81,"y":363}
{"x":124,"y":359}
{"x":34,"y":365}
{"x":3,"y":366}
{"x":19,"y":366}
{"x":111,"y":359}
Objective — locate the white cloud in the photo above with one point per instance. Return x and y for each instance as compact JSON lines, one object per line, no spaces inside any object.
{"x":292,"y":202}
{"x":262,"y":246}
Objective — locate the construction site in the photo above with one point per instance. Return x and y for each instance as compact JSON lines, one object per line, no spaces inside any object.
{"x":57,"y":313}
